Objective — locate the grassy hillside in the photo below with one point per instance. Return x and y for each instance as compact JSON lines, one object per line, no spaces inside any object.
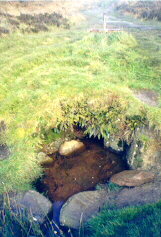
{"x":64,"y":77}
{"x":35,"y":16}
{"x":141,"y":9}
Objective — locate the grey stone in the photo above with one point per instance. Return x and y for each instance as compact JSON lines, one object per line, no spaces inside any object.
{"x":138,"y":196}
{"x":44,"y":159}
{"x":80,"y":207}
{"x":145,"y":151}
{"x":36,"y":205}
{"x":115,"y":144}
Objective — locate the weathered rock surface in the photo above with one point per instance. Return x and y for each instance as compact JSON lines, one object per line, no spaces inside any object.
{"x":115,"y":144}
{"x":132,"y":178}
{"x":44,"y":159}
{"x":80,"y":207}
{"x":36,"y":205}
{"x":148,"y":193}
{"x":83,"y":205}
{"x":70,"y":147}
{"x":145,"y":151}
{"x":50,"y":148}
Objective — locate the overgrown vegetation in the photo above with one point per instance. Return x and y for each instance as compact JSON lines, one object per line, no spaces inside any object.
{"x":51,"y":81}
{"x":130,"y":221}
{"x":27,"y":23}
{"x":54,"y":80}
{"x":141,"y":9}
{"x":58,"y":79}
{"x":19,"y":223}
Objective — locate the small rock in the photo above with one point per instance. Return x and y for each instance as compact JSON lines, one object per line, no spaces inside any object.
{"x":44,"y":159}
{"x":132,"y":178}
{"x":36,"y":205}
{"x":80,"y":207}
{"x":70,"y":147}
{"x":50,"y":148}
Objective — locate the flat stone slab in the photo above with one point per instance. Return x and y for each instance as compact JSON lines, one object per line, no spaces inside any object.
{"x":132,"y":178}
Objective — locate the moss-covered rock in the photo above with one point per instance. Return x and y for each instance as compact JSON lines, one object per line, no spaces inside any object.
{"x":145,"y":150}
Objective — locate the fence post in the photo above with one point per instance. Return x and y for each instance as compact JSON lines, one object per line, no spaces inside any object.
{"x":104,"y":22}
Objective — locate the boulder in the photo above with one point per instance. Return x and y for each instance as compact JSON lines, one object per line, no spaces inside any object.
{"x":36,"y":205}
{"x":71,"y":147}
{"x":80,"y":207}
{"x":132,"y":178}
{"x":57,"y":140}
{"x":44,"y":159}
{"x":145,"y":151}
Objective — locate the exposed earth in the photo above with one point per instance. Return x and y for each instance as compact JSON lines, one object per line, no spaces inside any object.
{"x":148,"y":97}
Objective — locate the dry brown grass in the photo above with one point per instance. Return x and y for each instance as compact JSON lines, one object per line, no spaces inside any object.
{"x":69,"y":9}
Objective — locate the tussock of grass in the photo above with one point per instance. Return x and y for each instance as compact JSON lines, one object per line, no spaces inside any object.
{"x":19,"y":222}
{"x":57,"y":79}
{"x":130,"y":221}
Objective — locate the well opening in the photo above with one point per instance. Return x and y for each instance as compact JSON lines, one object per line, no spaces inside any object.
{"x":82,"y":170}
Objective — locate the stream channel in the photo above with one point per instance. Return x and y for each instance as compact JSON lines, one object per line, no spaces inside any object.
{"x":79,"y":172}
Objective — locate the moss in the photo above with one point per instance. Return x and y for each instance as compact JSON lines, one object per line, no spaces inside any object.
{"x":143,"y":138}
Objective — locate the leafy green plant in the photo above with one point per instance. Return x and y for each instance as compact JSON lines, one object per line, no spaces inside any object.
{"x":143,"y":138}
{"x":113,"y":187}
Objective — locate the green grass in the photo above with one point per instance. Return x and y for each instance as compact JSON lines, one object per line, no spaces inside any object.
{"x":139,"y":221}
{"x":20,"y":223}
{"x":64,"y":77}
{"x":130,"y":221}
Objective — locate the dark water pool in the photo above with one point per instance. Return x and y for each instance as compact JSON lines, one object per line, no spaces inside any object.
{"x":67,"y":176}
